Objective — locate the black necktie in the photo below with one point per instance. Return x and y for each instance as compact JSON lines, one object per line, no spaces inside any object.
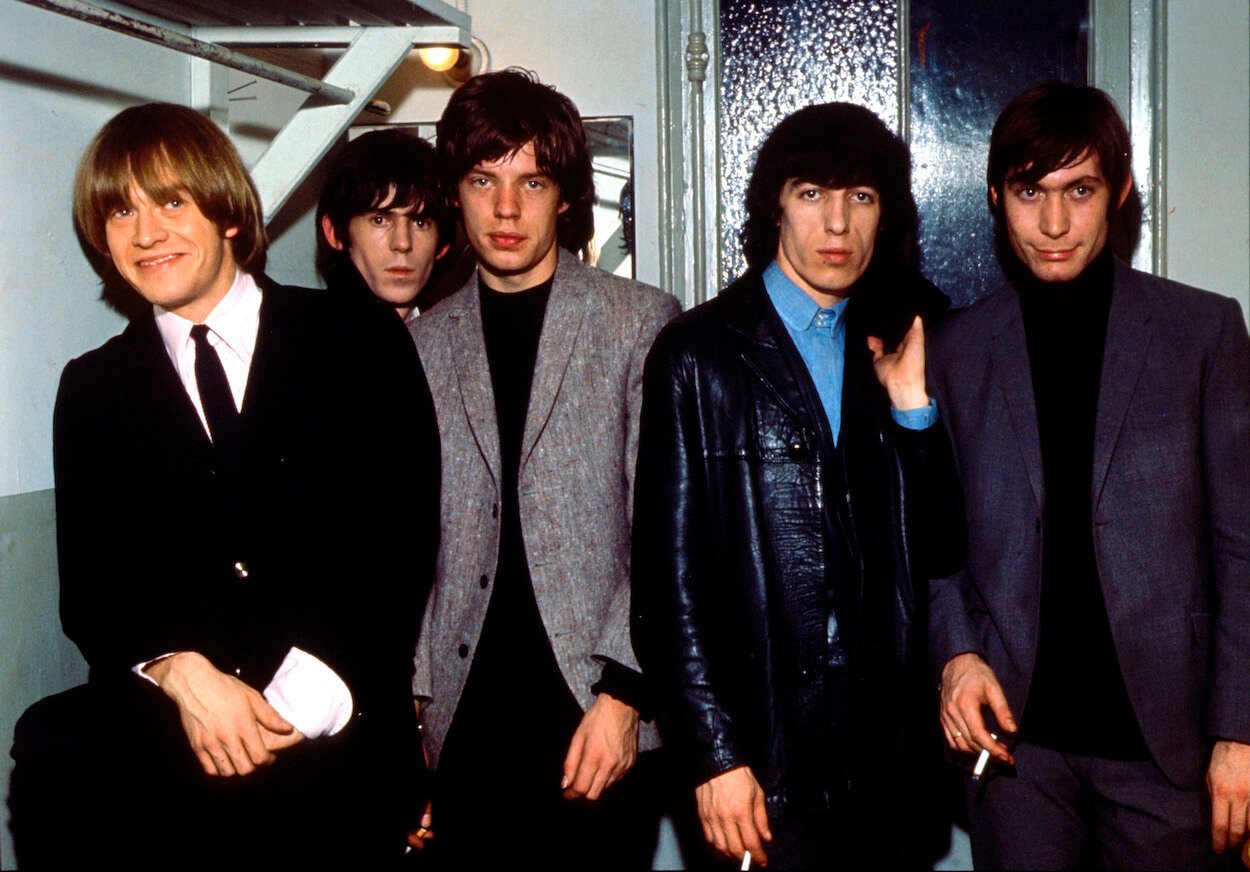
{"x":215,"y":396}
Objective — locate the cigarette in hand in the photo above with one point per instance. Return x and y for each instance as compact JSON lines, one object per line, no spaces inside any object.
{"x":982,"y":760}
{"x":746,"y":861}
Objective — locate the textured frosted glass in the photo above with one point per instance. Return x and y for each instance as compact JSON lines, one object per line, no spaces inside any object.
{"x":967,"y":60}
{"x":781,"y":55}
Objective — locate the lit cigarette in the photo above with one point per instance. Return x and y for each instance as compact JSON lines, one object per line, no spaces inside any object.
{"x":982,"y":759}
{"x":746,"y":861}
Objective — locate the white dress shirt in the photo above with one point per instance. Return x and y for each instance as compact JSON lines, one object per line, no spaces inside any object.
{"x":304,"y":690}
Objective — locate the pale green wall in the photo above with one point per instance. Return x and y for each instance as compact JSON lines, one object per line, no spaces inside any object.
{"x":37,"y":660}
{"x":1208,"y":146}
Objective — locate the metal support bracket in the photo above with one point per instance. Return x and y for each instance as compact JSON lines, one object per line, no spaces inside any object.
{"x":366,"y":64}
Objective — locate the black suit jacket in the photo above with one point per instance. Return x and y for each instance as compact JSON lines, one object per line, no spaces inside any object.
{"x":319,"y":531}
{"x":1169,"y":492}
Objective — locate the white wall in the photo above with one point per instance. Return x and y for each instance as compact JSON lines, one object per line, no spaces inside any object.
{"x":60,"y":80}
{"x":1208,"y":146}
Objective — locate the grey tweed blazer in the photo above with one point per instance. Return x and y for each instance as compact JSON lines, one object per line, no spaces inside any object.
{"x":576,"y":480}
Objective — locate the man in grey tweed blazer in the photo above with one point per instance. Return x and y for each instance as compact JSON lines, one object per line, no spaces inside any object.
{"x":526,"y":681}
{"x":1101,"y":423}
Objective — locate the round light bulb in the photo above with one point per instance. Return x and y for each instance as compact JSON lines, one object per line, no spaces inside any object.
{"x":439,"y":58}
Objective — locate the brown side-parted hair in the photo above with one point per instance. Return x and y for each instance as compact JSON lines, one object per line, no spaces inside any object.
{"x":168,"y":151}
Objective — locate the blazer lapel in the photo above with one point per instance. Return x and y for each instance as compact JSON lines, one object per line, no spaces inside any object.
{"x":566,"y":311}
{"x":164,"y":392}
{"x":468,"y":349}
{"x":1009,"y":366}
{"x":1124,"y":355}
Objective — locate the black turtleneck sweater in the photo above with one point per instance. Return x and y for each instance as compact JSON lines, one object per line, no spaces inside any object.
{"x":1077,"y":702}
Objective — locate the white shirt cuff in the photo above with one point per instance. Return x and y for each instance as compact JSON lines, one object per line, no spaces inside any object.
{"x":139,"y":669}
{"x":310,"y":695}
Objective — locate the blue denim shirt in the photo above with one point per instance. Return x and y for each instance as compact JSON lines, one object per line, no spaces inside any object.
{"x":820,"y":336}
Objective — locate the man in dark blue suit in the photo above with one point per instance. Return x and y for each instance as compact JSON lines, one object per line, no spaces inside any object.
{"x":242,"y":556}
{"x":1097,"y":644}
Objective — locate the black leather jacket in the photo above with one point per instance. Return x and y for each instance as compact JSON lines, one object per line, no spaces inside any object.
{"x":734,"y":510}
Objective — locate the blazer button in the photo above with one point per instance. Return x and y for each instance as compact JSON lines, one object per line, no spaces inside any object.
{"x":463,"y":650}
{"x":483,"y":581}
{"x":240,"y":570}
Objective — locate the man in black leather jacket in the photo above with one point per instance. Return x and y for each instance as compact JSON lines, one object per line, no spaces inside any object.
{"x":789,"y":510}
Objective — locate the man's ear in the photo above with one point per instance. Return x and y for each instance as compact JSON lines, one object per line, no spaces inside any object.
{"x":1128,"y":186}
{"x":994,"y":197}
{"x":563,"y":208}
{"x":332,"y":238}
{"x":230,"y":233}
{"x":438,"y":255}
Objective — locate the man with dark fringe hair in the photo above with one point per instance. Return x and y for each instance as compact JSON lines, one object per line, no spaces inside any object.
{"x":1093,"y":652}
{"x":526,"y":683}
{"x":382,"y":220}
{"x":793,"y":496}
{"x":228,"y":510}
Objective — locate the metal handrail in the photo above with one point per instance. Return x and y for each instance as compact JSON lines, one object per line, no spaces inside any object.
{"x":195,"y":47}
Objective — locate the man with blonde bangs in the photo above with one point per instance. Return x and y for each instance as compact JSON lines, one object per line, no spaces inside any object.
{"x":247,"y":624}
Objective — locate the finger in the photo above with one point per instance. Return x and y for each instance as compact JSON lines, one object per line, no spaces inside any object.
{"x":253,"y":749}
{"x":915,"y":333}
{"x":279,"y":742}
{"x":734,"y":845}
{"x":241,"y":756}
{"x":1236,"y":822}
{"x":1219,"y":825}
{"x":716,"y":834}
{"x":221,"y":761}
{"x":998,"y":705}
{"x":427,"y":816}
{"x":573,"y":759}
{"x":877,"y":347}
{"x":585,"y":776}
{"x":957,"y":735}
{"x":760,"y":813}
{"x":206,"y":762}
{"x":268,"y":716}
{"x":602,"y":778}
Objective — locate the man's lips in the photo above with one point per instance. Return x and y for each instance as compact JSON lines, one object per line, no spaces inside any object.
{"x":835,"y":256}
{"x":156,"y":261}
{"x":506,"y":240}
{"x":1054,"y":254}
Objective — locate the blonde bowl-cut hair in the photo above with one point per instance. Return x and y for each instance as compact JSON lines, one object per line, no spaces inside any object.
{"x":169,"y":151}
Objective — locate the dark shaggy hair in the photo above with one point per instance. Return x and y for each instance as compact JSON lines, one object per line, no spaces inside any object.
{"x":1050,"y":126}
{"x":835,"y":145}
{"x":362,"y":177}
{"x":169,"y":151}
{"x":495,"y":114}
